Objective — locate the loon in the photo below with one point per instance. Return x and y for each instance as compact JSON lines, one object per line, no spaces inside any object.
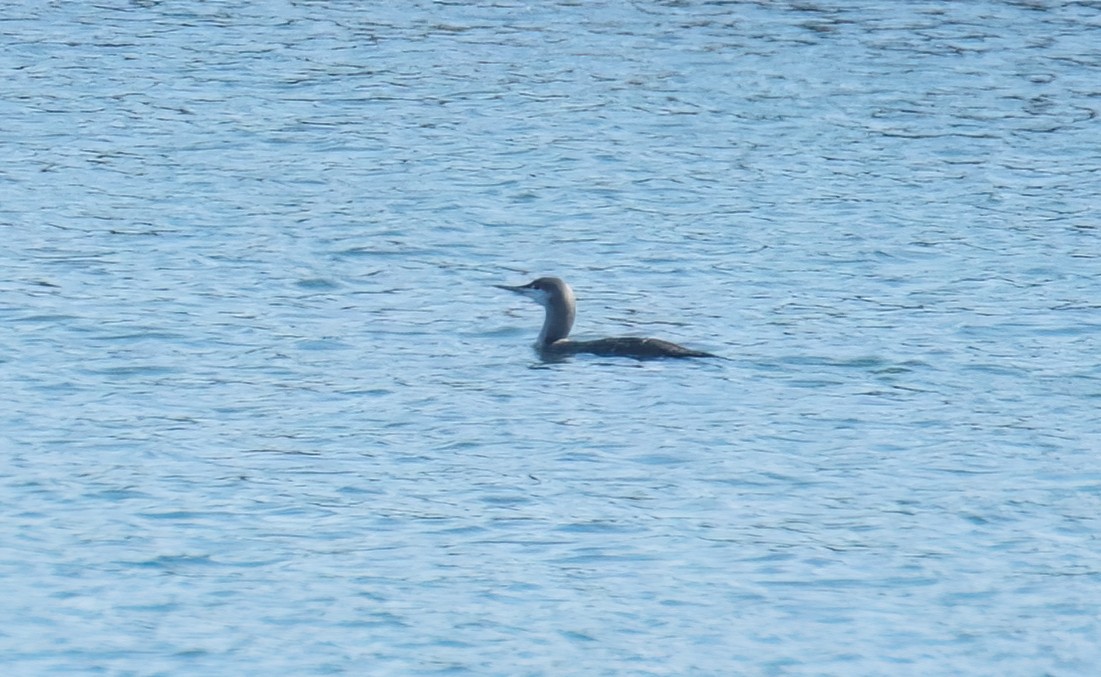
{"x":557,"y":297}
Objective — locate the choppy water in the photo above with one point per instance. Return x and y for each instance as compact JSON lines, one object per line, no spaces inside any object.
{"x":263,"y":413}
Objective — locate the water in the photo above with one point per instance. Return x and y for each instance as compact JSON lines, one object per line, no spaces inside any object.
{"x":263,"y":413}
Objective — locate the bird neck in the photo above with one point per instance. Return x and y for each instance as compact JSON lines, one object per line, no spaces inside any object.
{"x":559,"y":320}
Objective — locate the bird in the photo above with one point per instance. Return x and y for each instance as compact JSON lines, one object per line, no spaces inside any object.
{"x":557,"y":298}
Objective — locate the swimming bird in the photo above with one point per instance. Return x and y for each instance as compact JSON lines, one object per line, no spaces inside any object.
{"x":557,"y":298}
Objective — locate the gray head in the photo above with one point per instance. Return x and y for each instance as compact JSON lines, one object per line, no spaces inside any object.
{"x":556,"y":296}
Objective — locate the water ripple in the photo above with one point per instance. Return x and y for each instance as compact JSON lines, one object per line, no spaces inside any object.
{"x":264,"y":411}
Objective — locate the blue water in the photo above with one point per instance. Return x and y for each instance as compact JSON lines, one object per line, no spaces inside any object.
{"x":263,"y":412}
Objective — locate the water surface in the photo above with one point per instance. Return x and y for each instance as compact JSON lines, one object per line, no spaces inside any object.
{"x":264,"y":412}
